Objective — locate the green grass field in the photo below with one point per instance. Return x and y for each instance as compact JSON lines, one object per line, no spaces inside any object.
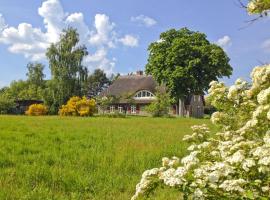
{"x":85,"y":158}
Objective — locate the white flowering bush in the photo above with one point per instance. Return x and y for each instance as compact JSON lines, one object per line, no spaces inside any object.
{"x":233,"y":164}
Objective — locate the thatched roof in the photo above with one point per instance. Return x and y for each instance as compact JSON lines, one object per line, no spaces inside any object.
{"x":130,"y":84}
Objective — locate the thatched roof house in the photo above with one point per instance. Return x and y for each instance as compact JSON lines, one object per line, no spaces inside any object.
{"x":130,"y":85}
{"x":136,"y":91}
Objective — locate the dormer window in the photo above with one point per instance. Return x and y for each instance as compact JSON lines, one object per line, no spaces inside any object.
{"x":144,"y":94}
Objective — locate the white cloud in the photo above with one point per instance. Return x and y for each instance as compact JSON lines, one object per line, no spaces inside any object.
{"x":76,"y":20}
{"x":25,"y":39}
{"x":33,"y":42}
{"x":99,"y":60}
{"x":53,"y":18}
{"x":98,"y":56}
{"x":129,"y":40}
{"x":103,"y":34}
{"x":224,"y":42}
{"x":144,"y":20}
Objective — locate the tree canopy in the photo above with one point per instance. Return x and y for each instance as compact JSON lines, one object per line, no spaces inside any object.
{"x":35,"y":73}
{"x":186,"y":62}
{"x":68,"y":74}
{"x":96,"y":82}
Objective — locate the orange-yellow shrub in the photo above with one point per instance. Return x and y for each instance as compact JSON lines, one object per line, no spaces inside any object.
{"x":77,"y":106}
{"x":37,"y":110}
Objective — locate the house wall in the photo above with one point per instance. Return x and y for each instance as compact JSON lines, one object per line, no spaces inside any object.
{"x":126,"y":109}
{"x":196,"y":107}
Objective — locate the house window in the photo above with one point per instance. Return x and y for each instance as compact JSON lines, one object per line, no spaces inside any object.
{"x":144,"y":94}
{"x":111,"y":109}
{"x":120,"y":109}
{"x":133,"y":109}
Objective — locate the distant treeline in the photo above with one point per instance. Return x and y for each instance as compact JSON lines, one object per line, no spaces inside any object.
{"x":68,"y":77}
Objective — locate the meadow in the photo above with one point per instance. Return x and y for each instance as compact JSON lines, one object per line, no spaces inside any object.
{"x":95,"y":158}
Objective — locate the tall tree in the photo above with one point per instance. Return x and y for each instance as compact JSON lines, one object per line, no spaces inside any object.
{"x":186,"y":62}
{"x":96,"y":82}
{"x":35,"y":74}
{"x":68,"y":74}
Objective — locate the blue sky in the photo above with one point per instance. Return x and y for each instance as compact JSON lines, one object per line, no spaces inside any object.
{"x":117,"y":33}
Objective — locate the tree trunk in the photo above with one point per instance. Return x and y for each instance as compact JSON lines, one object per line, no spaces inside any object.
{"x":181,"y":108}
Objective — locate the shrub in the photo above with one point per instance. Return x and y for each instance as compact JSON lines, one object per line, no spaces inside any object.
{"x":235,"y":164}
{"x":6,"y":105}
{"x":37,"y":110}
{"x":77,"y":106}
{"x":160,"y":107}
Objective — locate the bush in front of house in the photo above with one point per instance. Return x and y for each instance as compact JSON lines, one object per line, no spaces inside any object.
{"x":77,"y":106}
{"x":235,"y":163}
{"x":37,"y":110}
{"x":160,"y":107}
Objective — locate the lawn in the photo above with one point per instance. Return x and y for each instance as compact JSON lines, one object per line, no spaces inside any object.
{"x":85,"y":158}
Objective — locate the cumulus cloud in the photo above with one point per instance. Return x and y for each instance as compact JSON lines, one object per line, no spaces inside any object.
{"x":129,"y":40}
{"x":99,"y":60}
{"x":224,"y":42}
{"x":76,"y":20}
{"x":25,"y":39}
{"x":144,"y":20}
{"x":103,"y":34}
{"x":53,"y":18}
{"x":33,"y":42}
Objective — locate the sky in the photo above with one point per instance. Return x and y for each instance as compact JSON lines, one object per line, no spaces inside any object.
{"x":117,"y":32}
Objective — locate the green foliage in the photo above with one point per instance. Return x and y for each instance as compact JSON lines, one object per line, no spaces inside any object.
{"x":186,"y":62}
{"x":32,"y":88}
{"x":68,"y":74}
{"x":35,"y":74}
{"x":105,"y":102}
{"x":235,"y":163}
{"x":84,"y":158}
{"x":96,"y":82}
{"x":208,"y":108}
{"x":160,"y":107}
{"x":23,"y":90}
{"x":260,"y":7}
{"x":6,"y":104}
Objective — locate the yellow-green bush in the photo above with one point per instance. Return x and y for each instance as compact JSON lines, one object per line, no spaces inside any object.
{"x":77,"y":106}
{"x":37,"y":110}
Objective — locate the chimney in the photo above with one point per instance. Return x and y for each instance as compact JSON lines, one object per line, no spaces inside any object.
{"x":139,"y":73}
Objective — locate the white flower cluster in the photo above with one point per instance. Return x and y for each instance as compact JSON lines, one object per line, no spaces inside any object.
{"x":236,"y":90}
{"x":146,"y":182}
{"x":236,"y":162}
{"x":200,"y":133}
{"x":251,"y":7}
